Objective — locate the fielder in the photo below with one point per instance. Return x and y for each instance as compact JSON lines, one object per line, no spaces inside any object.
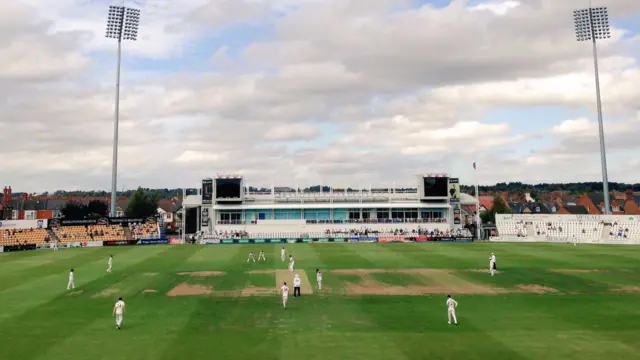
{"x":285,"y":294}
{"x":291,"y":263}
{"x":492,"y":265}
{"x":451,"y":309}
{"x":296,"y":285}
{"x":118,"y":312}
{"x":55,"y":245}
{"x":110,"y":263}
{"x":318,"y":279}
{"x":261,"y":256}
{"x":251,"y":257}
{"x":493,"y":260}
{"x":71,"y":284}
{"x":282,"y":254}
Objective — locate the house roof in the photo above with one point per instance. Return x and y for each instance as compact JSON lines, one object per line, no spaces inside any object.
{"x":170,"y":206}
{"x":533,"y":207}
{"x":487,"y":202}
{"x":55,"y":204}
{"x":596,"y":198}
{"x":576,"y":209}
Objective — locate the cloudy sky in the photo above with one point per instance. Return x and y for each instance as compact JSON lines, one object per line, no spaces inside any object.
{"x":341,"y":92}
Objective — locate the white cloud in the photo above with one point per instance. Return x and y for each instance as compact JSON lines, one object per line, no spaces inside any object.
{"x":393,"y":91}
{"x":291,"y":132}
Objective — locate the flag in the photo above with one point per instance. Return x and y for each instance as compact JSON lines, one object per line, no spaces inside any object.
{"x":474,"y":165}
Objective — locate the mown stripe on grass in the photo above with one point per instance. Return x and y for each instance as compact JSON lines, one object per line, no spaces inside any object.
{"x":57,"y":264}
{"x":148,"y":330}
{"x":232,"y":330}
{"x":41,"y":290}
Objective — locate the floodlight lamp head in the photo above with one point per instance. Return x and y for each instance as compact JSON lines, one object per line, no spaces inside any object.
{"x":591,"y":24}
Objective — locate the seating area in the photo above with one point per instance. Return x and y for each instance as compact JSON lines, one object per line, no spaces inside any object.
{"x":144,"y":231}
{"x":511,"y":228}
{"x":569,"y":227}
{"x":81,"y":233}
{"x":625,"y":230}
{"x":332,"y":233}
{"x":23,"y":236}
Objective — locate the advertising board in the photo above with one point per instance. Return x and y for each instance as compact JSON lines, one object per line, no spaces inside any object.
{"x":23,"y":224}
{"x":366,"y":239}
{"x":177,"y":241}
{"x":92,"y":243}
{"x":14,"y":248}
{"x":153,"y":241}
{"x":119,"y":242}
{"x":386,"y":239}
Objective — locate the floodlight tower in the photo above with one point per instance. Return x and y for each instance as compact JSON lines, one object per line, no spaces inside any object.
{"x":122,"y":24}
{"x":593,"y":24}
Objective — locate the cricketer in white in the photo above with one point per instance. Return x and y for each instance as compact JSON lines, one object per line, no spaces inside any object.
{"x":118,"y":312}
{"x":285,"y":294}
{"x":451,"y":309}
{"x":71,"y":284}
{"x":291,"y":263}
{"x":319,"y":279}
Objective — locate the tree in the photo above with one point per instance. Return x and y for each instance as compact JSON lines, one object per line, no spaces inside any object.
{"x":143,"y":203}
{"x":97,"y":209}
{"x":499,"y":207}
{"x":74,"y":211}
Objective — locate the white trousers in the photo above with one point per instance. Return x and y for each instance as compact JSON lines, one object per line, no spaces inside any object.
{"x":261,"y":256}
{"x":71,"y":285}
{"x":452,"y":316}
{"x":319,"y":284}
{"x":109,"y":269}
{"x":251,"y":258}
{"x":282,"y":257}
{"x":119,"y":318}
{"x":491,"y":270}
{"x":284,"y":301}
{"x":291,"y":267}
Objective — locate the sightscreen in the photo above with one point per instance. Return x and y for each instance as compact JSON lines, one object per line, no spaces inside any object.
{"x":436,"y":187}
{"x":228,"y":188}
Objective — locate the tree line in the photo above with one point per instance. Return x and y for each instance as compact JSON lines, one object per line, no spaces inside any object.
{"x":142,"y":203}
{"x":513,"y":187}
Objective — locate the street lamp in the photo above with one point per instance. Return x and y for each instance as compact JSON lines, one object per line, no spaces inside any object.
{"x":593,"y":24}
{"x":122,"y":24}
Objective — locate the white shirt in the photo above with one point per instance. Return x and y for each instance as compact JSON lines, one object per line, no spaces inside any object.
{"x":493,"y":258}
{"x":285,"y":290}
{"x":451,"y":304}
{"x":282,"y":252}
{"x":296,"y":281}
{"x":110,"y":260}
{"x":119,"y":307}
{"x":291,"y":260}
{"x":319,"y":276}
{"x":70,"y":275}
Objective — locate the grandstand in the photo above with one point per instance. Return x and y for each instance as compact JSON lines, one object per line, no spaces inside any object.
{"x":144,"y":231}
{"x":578,"y":228}
{"x":81,"y":233}
{"x":13,"y":237}
{"x":226,"y":207}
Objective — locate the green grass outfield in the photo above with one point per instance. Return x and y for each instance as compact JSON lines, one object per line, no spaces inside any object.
{"x":533,"y":309}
